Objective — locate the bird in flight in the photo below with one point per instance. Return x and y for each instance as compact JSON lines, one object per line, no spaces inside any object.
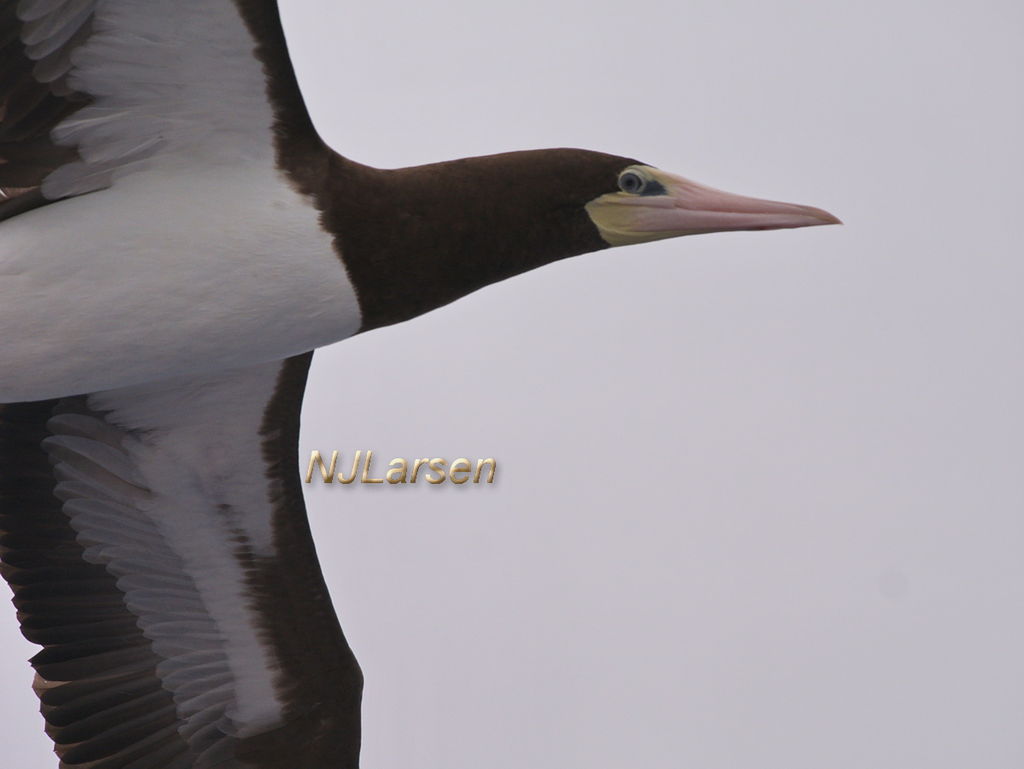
{"x":175,"y":241}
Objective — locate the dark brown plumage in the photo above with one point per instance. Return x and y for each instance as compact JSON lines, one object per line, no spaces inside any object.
{"x":301,"y":622}
{"x":417,"y":238}
{"x":104,"y":703}
{"x":34,"y":98}
{"x":75,"y":611}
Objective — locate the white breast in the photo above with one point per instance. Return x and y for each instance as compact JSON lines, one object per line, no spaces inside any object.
{"x":171,"y":271}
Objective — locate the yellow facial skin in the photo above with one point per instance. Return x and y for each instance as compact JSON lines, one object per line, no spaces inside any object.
{"x":652,"y":205}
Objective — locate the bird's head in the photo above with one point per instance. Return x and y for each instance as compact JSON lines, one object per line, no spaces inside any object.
{"x":650,"y":204}
{"x":417,"y":238}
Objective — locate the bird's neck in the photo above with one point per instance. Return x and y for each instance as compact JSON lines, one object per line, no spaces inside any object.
{"x":417,"y":238}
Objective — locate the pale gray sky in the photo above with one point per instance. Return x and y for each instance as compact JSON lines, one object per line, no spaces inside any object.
{"x":760,"y":501}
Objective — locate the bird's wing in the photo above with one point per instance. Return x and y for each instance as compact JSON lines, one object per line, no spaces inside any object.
{"x":93,"y":90}
{"x":157,"y":545}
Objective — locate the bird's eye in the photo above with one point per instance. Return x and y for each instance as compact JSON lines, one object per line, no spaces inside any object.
{"x":632,"y":182}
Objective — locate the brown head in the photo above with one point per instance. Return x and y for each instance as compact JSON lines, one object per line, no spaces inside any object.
{"x":414,"y":239}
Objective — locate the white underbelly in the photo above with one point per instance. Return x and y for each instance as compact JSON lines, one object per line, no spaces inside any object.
{"x":168,"y":273}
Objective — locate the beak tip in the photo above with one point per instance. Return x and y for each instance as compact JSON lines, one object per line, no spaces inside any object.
{"x":824,"y":217}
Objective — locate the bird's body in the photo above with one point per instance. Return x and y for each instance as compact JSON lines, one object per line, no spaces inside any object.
{"x":198,"y":269}
{"x":175,"y":239}
{"x":195,"y":249}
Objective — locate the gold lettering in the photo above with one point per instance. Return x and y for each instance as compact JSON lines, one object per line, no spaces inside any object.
{"x":316,"y":459}
{"x":398,"y":469}
{"x":396,"y":473}
{"x":460,"y":465}
{"x":355,"y":466}
{"x":416,"y":468}
{"x":437,"y":465}
{"x":366,"y":469}
{"x":490,"y":473}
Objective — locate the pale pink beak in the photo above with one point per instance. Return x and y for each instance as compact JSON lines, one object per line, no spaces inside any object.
{"x":687,"y":208}
{"x":690,"y":208}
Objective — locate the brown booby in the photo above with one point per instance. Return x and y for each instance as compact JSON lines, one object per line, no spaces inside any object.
{"x":175,"y":240}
